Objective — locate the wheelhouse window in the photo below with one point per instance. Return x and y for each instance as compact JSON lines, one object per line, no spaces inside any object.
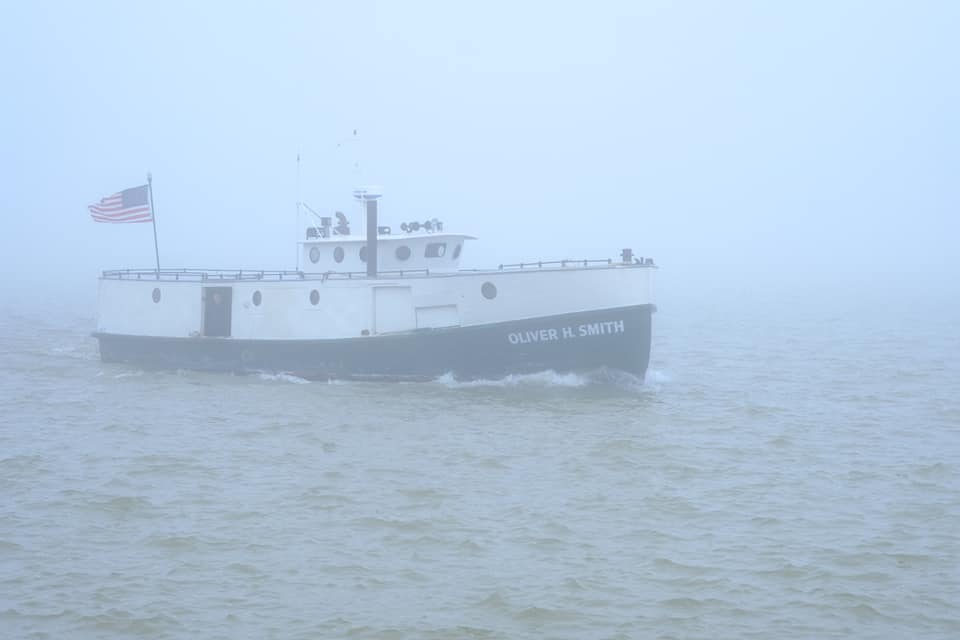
{"x":436,"y":250}
{"x":403,"y":252}
{"x":314,"y":255}
{"x":338,"y":255}
{"x":363,"y":253}
{"x":456,"y":251}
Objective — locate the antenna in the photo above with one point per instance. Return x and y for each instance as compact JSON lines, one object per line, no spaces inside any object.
{"x":355,"y":167}
{"x":356,"y":161}
{"x":355,"y":164}
{"x":296,"y":244}
{"x":301,"y":205}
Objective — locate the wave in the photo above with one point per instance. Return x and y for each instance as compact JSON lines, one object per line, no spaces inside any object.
{"x":74,"y":351}
{"x":547,"y":378}
{"x":282,"y":377}
{"x":655,"y":376}
{"x":550,"y":379}
{"x":128,"y":374}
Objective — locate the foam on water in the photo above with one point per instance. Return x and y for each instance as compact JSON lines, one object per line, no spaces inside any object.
{"x":128,"y":374}
{"x":73,"y":350}
{"x":547,"y":378}
{"x":282,"y":377}
{"x":655,"y":376}
{"x":541,"y":379}
{"x":551,"y":379}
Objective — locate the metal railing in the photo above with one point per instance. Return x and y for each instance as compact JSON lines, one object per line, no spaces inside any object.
{"x":233,"y":275}
{"x":540,"y":264}
{"x":566,"y":264}
{"x":240,"y":275}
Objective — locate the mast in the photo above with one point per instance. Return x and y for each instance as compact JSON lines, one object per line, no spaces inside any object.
{"x":153,"y":220}
{"x":296,"y":244}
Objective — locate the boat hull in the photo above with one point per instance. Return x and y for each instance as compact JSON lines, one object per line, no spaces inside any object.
{"x":616,"y":339}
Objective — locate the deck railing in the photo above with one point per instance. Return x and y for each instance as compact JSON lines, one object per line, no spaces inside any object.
{"x":234,"y":275}
{"x":216,"y":275}
{"x":540,"y":264}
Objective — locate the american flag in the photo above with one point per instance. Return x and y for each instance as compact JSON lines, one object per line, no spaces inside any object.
{"x":130,"y":205}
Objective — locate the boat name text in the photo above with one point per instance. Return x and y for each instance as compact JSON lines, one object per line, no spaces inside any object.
{"x":567,"y":333}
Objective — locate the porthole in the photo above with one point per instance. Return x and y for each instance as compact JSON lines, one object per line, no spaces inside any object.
{"x":363,"y":253}
{"x":314,"y":297}
{"x":456,"y":251}
{"x":436,"y":250}
{"x":489,"y":290}
{"x":314,"y":255}
{"x":338,"y":254}
{"x":156,"y":295}
{"x":403,"y":252}
{"x":257,"y":298}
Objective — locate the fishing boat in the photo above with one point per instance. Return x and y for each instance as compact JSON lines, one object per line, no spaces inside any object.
{"x":386,"y":303}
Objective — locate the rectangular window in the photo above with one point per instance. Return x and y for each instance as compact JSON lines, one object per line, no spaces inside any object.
{"x":436,"y":250}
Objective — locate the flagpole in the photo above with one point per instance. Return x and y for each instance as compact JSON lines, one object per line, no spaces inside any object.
{"x":296,"y":241}
{"x":153,"y":219}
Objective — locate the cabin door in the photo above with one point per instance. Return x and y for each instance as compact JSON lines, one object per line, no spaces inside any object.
{"x":393,"y":309}
{"x":217,"y":311}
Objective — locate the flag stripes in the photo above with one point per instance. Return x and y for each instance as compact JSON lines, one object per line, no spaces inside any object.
{"x":128,"y":206}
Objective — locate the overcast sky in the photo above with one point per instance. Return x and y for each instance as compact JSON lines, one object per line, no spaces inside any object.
{"x":746,"y":142}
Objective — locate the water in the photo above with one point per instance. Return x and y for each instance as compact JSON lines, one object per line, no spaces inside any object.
{"x":787,"y":470}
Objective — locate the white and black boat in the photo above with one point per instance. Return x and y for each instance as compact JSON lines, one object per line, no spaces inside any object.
{"x":383,"y":305}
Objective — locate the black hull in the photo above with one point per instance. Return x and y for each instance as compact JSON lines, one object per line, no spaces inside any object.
{"x":610,"y":338}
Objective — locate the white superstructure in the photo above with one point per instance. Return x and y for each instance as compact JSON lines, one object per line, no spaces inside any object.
{"x":292,"y":305}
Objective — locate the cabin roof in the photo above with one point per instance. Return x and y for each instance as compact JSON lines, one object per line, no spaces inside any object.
{"x":388,"y":237}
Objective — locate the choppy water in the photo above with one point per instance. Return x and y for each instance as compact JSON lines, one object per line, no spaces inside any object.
{"x":786,"y":471}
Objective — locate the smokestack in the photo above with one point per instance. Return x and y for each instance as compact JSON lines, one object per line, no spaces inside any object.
{"x":368,"y":196}
{"x":371,"y":205}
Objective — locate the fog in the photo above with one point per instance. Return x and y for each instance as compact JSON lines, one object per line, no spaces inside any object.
{"x":745,"y":145}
